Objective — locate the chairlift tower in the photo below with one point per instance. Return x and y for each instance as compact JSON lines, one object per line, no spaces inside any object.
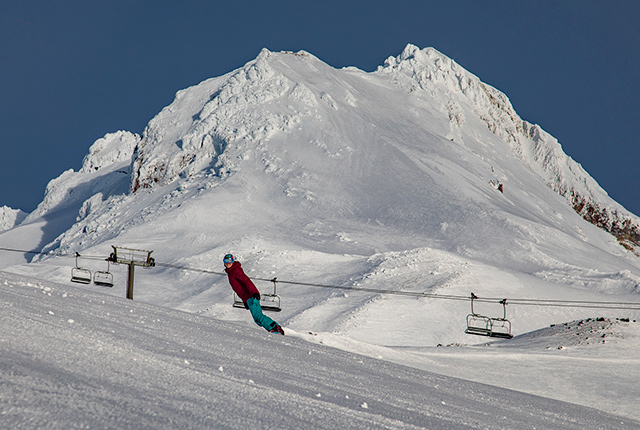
{"x":131,"y":257}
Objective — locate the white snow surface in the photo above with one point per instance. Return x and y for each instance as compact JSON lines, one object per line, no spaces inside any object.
{"x":73,"y":358}
{"x":384,"y":181}
{"x":9,"y":217}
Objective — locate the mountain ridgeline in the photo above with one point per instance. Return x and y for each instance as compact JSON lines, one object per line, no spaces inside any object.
{"x":420,"y":146}
{"x":293,"y":94}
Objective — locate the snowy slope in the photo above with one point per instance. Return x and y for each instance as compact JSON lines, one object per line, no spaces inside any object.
{"x":77,"y":359}
{"x":416,"y":177}
{"x":73,"y":196}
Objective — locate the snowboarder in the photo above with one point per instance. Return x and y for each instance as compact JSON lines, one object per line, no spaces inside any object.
{"x":248,"y":293}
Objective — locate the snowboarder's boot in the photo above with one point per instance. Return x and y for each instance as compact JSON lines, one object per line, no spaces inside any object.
{"x":277,"y":329}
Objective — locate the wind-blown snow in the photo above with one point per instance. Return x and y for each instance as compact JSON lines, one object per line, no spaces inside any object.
{"x":416,"y":177}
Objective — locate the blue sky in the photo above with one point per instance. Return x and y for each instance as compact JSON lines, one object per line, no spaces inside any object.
{"x":75,"y":70}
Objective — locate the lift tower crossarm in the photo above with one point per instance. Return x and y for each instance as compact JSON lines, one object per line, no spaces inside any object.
{"x":131,"y":257}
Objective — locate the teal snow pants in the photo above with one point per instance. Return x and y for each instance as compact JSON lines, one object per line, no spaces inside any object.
{"x":260,"y":318}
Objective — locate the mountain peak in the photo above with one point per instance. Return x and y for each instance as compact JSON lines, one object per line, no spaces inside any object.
{"x":407,"y":147}
{"x":250,"y":103}
{"x":219,"y":123}
{"x":423,"y":56}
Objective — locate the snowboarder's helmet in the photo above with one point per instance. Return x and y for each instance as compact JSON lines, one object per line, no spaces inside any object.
{"x":228,"y":259}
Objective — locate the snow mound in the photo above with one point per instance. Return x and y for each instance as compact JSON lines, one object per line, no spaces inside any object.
{"x":585,"y":333}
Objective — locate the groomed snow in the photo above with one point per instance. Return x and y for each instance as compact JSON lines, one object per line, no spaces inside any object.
{"x":73,"y":358}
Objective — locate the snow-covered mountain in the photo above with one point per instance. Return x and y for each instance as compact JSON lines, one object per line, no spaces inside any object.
{"x":416,"y":177}
{"x":289,"y":162}
{"x":356,"y":174}
{"x":270,"y":98}
{"x":9,"y":217}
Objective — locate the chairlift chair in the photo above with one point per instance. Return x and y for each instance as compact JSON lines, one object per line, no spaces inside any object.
{"x":268,"y":301}
{"x":80,"y":275}
{"x":103,"y":278}
{"x":237,"y":303}
{"x":482,"y":325}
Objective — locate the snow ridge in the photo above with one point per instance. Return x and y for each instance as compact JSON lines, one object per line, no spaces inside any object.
{"x":9,"y":217}
{"x":197,"y":127}
{"x":103,"y":170}
{"x":337,"y":142}
{"x":430,"y":70}
{"x":112,"y":148}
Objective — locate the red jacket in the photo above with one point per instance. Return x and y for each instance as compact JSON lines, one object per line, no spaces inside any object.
{"x":241,"y":283}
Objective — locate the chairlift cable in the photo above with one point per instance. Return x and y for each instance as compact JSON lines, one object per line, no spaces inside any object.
{"x":337,"y":287}
{"x":54,"y":254}
{"x":511,"y":301}
{"x":21,"y":251}
{"x":523,"y":302}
